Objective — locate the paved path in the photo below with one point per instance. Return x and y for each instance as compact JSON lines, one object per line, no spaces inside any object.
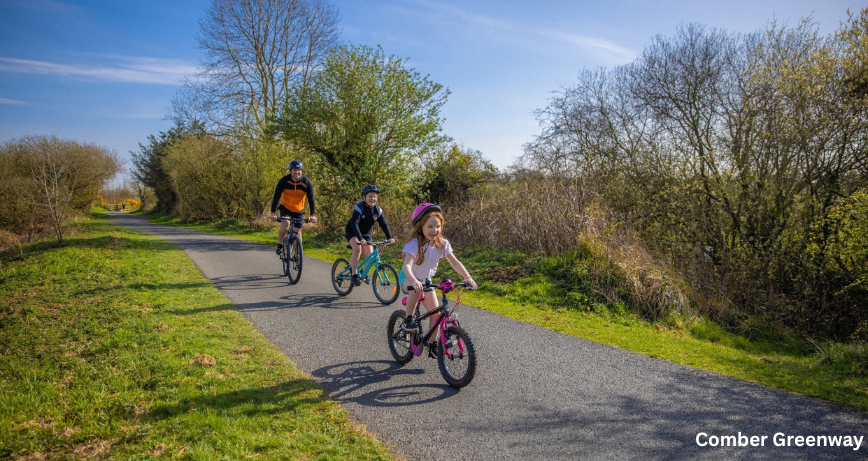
{"x":537,"y":395}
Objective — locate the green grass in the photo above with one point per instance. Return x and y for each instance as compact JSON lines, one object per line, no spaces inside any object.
{"x":115,"y":346}
{"x":550,"y":292}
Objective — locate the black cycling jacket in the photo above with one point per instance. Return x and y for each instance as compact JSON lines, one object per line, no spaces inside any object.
{"x":362,"y":221}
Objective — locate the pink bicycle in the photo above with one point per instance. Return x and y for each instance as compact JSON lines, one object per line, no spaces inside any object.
{"x":454,"y":349}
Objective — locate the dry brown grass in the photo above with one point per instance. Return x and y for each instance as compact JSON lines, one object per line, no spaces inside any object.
{"x":553,"y":217}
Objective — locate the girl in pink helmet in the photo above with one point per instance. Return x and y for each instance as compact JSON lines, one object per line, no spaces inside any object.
{"x":425,"y":246}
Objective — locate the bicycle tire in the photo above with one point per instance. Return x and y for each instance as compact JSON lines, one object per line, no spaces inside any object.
{"x":284,"y":257}
{"x":341,"y":277}
{"x":458,"y":370}
{"x":284,"y":261}
{"x":385,"y":284}
{"x":399,"y":341}
{"x":295,"y":258}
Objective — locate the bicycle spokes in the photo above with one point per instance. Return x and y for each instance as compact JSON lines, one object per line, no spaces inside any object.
{"x":341,"y":280}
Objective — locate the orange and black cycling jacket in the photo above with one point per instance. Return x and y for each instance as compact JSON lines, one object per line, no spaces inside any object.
{"x":291,"y":195}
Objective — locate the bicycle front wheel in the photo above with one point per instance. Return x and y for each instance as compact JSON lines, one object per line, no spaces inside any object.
{"x":457,"y":357}
{"x":284,"y":261}
{"x":294,"y":257}
{"x":341,"y":278}
{"x":399,"y":341}
{"x":385,"y":284}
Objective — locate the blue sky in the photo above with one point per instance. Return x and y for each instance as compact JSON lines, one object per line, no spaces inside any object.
{"x":105,"y":71}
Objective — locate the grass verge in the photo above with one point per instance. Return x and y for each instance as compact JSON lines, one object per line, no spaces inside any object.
{"x":549,"y":292}
{"x":114,"y":346}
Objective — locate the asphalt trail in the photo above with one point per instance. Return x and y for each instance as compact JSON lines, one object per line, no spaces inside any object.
{"x":537,"y":394}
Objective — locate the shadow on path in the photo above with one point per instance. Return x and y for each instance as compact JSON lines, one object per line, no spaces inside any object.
{"x":347,"y":382}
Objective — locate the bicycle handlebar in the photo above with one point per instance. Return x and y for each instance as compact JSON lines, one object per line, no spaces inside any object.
{"x":381,"y":242}
{"x":289,"y":218}
{"x":445,"y":286}
{"x":370,"y":244}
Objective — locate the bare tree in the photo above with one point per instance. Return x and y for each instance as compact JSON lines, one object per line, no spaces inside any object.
{"x":255,"y":51}
{"x":731,"y":153}
{"x":56,"y":176}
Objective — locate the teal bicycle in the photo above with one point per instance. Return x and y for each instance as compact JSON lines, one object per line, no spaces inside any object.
{"x":384,"y":280}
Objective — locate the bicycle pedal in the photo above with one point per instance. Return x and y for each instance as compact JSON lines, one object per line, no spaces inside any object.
{"x":368,"y":279}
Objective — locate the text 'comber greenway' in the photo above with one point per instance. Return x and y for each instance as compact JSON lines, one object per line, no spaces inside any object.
{"x":779,"y":440}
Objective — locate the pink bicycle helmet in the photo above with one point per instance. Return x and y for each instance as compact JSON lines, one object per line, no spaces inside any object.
{"x":422,"y":210}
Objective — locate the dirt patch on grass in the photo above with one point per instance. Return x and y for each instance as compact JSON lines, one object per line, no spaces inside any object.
{"x":504,"y":274}
{"x":91,"y":450}
{"x":204,"y":360}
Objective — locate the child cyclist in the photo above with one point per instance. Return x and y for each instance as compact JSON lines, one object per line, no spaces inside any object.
{"x":359,"y":228}
{"x":425,"y":246}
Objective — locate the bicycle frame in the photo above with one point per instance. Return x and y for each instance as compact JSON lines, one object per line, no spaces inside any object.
{"x":365,"y":265}
{"x":448,"y":317}
{"x":295,"y":224}
{"x":371,"y":260}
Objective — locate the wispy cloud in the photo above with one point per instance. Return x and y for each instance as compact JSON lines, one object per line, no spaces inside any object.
{"x":13,"y":102}
{"x":44,"y":6}
{"x":121,"y":69}
{"x":465,"y":15}
{"x":597,"y":46}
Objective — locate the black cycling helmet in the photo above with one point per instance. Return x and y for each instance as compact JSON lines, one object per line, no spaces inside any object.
{"x":295,"y":164}
{"x":369,"y":188}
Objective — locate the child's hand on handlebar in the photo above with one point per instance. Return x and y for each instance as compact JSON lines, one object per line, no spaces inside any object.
{"x":416,"y":285}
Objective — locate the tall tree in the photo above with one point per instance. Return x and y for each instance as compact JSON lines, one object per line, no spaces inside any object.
{"x":450,"y":173}
{"x":255,"y":52}
{"x":365,"y":118}
{"x":148,"y":167}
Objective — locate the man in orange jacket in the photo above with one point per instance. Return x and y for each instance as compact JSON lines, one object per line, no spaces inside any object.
{"x":289,"y":199}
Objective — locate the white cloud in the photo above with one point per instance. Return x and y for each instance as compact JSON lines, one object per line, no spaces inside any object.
{"x":44,"y":6}
{"x":13,"y":102}
{"x":597,"y":46}
{"x":127,"y":69}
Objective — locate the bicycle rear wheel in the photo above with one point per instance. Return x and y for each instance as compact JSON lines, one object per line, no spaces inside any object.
{"x":457,"y":357}
{"x":385,"y":284}
{"x":399,"y":341}
{"x":295,"y":260}
{"x":341,"y":278}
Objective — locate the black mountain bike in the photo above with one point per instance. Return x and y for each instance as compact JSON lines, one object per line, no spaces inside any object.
{"x":291,"y":256}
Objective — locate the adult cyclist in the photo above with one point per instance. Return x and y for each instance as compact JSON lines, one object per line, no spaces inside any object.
{"x":289,"y":200}
{"x":360,"y":227}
